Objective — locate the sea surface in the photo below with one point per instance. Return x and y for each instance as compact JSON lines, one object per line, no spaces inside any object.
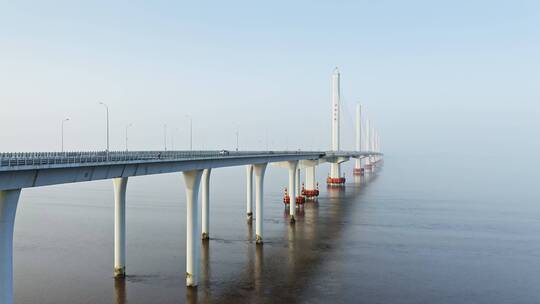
{"x":420,"y":229}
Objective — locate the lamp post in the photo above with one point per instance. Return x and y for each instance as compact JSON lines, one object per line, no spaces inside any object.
{"x":174,"y":132}
{"x":165,"y":136}
{"x":266,"y":140}
{"x":190,"y":132}
{"x":63,"y":121}
{"x":107,"y":108}
{"x":127,"y":127}
{"x":237,"y":134}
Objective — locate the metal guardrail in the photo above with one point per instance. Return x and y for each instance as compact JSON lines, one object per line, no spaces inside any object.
{"x":97,"y":157}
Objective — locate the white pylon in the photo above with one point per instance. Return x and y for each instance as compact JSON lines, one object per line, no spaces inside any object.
{"x":292,"y":190}
{"x":205,"y":203}
{"x":367,"y":145}
{"x":120,"y":185}
{"x":259,"y":170}
{"x":193,"y":241}
{"x":311,"y":184}
{"x":358,"y":163}
{"x":335,"y":171}
{"x":249,"y":192}
{"x":372,"y":143}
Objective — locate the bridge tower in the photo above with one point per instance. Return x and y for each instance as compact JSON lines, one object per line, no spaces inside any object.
{"x":368,"y":164}
{"x":358,"y":164}
{"x":335,"y":178}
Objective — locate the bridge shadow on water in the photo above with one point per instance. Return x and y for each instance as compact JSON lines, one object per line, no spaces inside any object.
{"x":281,"y":269}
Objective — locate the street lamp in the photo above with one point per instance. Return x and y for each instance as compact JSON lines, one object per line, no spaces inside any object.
{"x":107,"y":108}
{"x":190,"y":132}
{"x":165,"y":136}
{"x":174,"y":131}
{"x":266,"y":140}
{"x":63,"y":121}
{"x":237,"y":134}
{"x":127,"y":127}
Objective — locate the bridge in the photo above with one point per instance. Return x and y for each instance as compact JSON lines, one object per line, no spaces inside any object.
{"x":36,"y":169}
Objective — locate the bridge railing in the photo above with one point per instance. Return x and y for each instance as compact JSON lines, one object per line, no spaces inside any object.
{"x":10,"y":159}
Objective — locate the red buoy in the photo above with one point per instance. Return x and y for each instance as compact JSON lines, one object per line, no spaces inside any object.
{"x":286,"y":198}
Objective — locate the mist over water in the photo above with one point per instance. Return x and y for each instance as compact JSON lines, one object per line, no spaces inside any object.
{"x":451,"y":87}
{"x":419,"y":230}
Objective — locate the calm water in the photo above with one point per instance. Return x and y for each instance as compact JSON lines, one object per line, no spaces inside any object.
{"x":420,"y":230}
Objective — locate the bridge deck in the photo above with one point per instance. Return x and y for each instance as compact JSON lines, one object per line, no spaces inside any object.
{"x":43,"y":160}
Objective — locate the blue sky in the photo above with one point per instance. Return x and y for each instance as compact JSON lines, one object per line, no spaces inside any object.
{"x":435,"y":76}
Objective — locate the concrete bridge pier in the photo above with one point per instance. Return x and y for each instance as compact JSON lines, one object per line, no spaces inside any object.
{"x":335,"y":170}
{"x":298,"y":182}
{"x":357,"y":165}
{"x":293,"y":165}
{"x":310,"y":178}
{"x":120,"y":185}
{"x":205,"y":209}
{"x":193,"y":242}
{"x":259,"y":191}
{"x":8,"y":208}
{"x":249,"y":193}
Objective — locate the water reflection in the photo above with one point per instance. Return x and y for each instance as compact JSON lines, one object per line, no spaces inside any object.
{"x":120,"y":296}
{"x":259,"y":258}
{"x":205,"y":266}
{"x":250,"y":249}
{"x":291,"y":237}
{"x":191,"y":295}
{"x":250,"y":232}
{"x":335,"y":192}
{"x":311,"y":213}
{"x":276,"y":271}
{"x":300,"y":211}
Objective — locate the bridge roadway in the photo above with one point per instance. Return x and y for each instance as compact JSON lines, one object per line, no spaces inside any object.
{"x":24,"y":170}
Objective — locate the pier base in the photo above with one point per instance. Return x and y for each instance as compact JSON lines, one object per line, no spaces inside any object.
{"x":336,"y":181}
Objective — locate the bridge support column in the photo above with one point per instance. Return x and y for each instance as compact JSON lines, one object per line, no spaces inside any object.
{"x":292,"y":190}
{"x":357,"y":170}
{"x":249,"y":192}
{"x":298,"y":182}
{"x":193,"y":242}
{"x":259,"y":192}
{"x":335,"y":170}
{"x":8,"y":208}
{"x":206,"y":204}
{"x":120,"y":185}
{"x":367,"y":165}
{"x":311,"y":188}
{"x":310,"y":178}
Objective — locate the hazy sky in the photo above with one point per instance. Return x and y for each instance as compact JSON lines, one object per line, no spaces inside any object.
{"x":435,"y":76}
